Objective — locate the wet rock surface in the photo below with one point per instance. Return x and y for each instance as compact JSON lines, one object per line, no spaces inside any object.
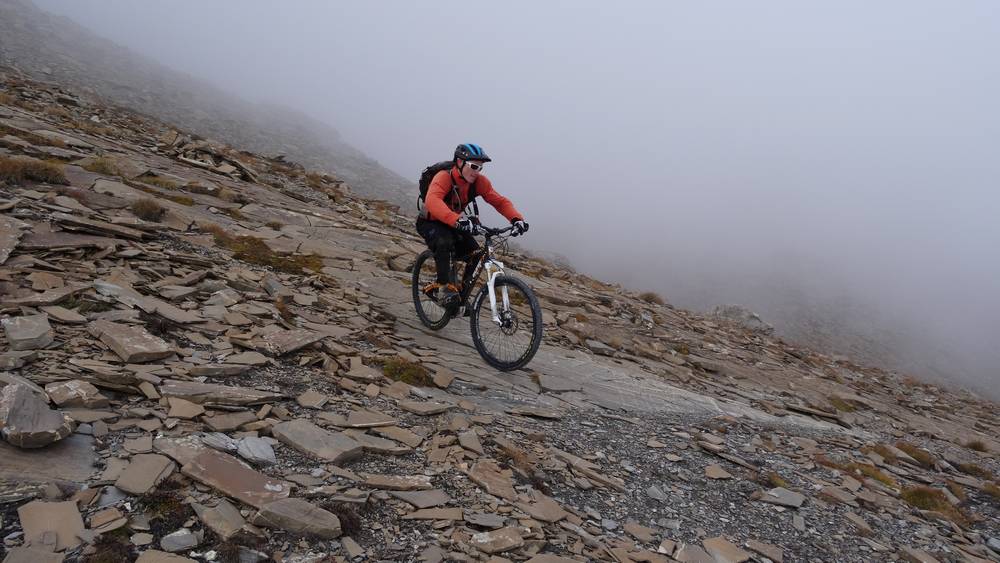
{"x":204,"y":376}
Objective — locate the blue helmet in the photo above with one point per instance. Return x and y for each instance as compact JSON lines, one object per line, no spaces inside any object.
{"x":469,"y":151}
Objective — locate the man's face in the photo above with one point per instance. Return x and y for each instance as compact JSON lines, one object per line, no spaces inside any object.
{"x":470,"y":169}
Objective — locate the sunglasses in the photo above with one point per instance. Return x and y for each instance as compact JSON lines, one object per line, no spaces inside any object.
{"x":474,"y":166}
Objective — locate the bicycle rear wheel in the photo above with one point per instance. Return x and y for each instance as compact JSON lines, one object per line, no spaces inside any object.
{"x":430,"y":313}
{"x":510,"y":343}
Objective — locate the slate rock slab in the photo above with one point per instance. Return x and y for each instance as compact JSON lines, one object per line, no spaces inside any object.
{"x":299,"y":516}
{"x":30,"y":332}
{"x":26,"y":421}
{"x":311,"y":439}
{"x":228,"y":475}
{"x":132,"y":344}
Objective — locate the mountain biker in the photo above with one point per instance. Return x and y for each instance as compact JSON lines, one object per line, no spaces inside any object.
{"x":446,"y":227}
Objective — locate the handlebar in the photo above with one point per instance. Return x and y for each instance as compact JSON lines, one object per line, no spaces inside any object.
{"x":491,"y":232}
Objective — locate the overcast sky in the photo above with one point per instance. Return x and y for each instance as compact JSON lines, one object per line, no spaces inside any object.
{"x":714,"y":152}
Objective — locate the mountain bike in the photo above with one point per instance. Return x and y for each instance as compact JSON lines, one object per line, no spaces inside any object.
{"x":504,"y":316}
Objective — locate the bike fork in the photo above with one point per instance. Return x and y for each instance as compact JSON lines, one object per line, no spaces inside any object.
{"x":491,"y":285}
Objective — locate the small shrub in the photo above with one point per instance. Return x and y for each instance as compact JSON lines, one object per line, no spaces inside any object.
{"x":111,"y":547}
{"x":234,"y":213}
{"x":840,"y":404}
{"x":408,"y":372}
{"x":652,"y":297}
{"x":776,"y":480}
{"x":274,"y":225}
{"x":56,"y":111}
{"x":283,"y":309}
{"x":874,"y":473}
{"x":882,"y":450}
{"x":17,"y":171}
{"x":992,"y":490}
{"x":6,"y":99}
{"x":103,"y":165}
{"x":254,"y":251}
{"x":821,"y":459}
{"x":975,"y":471}
{"x":197,"y":188}
{"x":928,"y":498}
{"x":232,"y":196}
{"x":148,"y":210}
{"x":923,"y":457}
{"x":314,"y":180}
{"x":977,"y":445}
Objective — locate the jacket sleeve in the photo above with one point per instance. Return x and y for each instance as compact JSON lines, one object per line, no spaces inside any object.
{"x":436,"y":207}
{"x":503,"y":205}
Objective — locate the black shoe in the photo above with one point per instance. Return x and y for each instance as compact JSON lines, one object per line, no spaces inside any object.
{"x":448,"y":296}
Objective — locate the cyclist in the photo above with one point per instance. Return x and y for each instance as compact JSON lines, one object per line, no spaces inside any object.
{"x":444,"y":223}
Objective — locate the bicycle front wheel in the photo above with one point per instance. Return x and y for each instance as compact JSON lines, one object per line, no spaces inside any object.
{"x":508,"y":340}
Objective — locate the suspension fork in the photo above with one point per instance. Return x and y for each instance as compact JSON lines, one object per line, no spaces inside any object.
{"x":494,"y":269}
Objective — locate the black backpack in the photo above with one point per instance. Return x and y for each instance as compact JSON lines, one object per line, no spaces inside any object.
{"x":428,"y":175}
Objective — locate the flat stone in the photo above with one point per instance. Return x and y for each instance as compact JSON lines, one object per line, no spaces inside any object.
{"x":26,"y":421}
{"x":15,"y":360}
{"x":782,"y":497}
{"x":397,"y":482}
{"x":536,"y":412}
{"x":435,"y":514}
{"x":154,"y":556}
{"x":224,"y":519}
{"x":716,"y":471}
{"x":424,"y":408}
{"x":553,"y":384}
{"x":180,"y":408}
{"x":772,"y":552}
{"x":725,"y":551}
{"x":181,"y":540}
{"x":312,"y":399}
{"x":209,"y":394}
{"x":50,"y":297}
{"x":226,"y":473}
{"x":470,"y":441}
{"x":487,"y":475}
{"x":639,"y":532}
{"x":916,"y":555}
{"x":863,"y":528}
{"x":64,"y":315}
{"x":141,"y":539}
{"x":298,"y":516}
{"x":375,"y":444}
{"x":144,"y":473}
{"x":485,"y":520}
{"x":549,"y":558}
{"x":423,"y":499}
{"x":140,"y":445}
{"x":70,"y":460}
{"x":369,"y":419}
{"x":310,"y":439}
{"x":31,"y":332}
{"x":132,"y":344}
{"x":218,"y":370}
{"x":497,"y":541}
{"x":543,"y":508}
{"x":443,"y":378}
{"x":287,"y":341}
{"x":76,"y":393}
{"x":30,"y":554}
{"x":229,"y":422}
{"x":257,"y":451}
{"x":400,"y":435}
{"x":248,"y":359}
{"x":836,"y":494}
{"x":688,"y":553}
{"x":59,"y":520}
{"x":11,"y":230}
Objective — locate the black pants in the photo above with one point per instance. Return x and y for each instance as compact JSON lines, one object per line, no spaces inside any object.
{"x":445,"y":241}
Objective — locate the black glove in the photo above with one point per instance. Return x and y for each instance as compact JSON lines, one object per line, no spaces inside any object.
{"x":466,"y":225}
{"x":520,"y":227}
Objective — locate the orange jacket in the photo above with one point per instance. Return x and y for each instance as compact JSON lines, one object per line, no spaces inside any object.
{"x":442,"y":205}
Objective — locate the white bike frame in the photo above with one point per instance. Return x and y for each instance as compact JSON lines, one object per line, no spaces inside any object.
{"x":494,"y":268}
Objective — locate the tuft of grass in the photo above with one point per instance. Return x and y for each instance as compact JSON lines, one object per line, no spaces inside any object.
{"x":652,"y":297}
{"x":350,"y":521}
{"x":928,"y":498}
{"x":148,"y":210}
{"x":92,"y":128}
{"x":840,"y":404}
{"x":254,"y":251}
{"x":6,"y":99}
{"x":882,"y":450}
{"x":112,"y":547}
{"x":56,"y":111}
{"x":103,"y":165}
{"x":975,"y":471}
{"x":234,"y":213}
{"x":821,"y":459}
{"x":166,"y":505}
{"x":314,"y":180}
{"x":179,"y":199}
{"x":159,"y":182}
{"x":274,"y":225}
{"x":196,"y":188}
{"x":18,"y":170}
{"x":977,"y":445}
{"x":923,"y":457}
{"x":232,"y":196}
{"x":281,"y":304}
{"x":775,"y":480}
{"x":957,"y":490}
{"x":874,"y":473}
{"x":408,"y":372}
{"x":992,"y":489}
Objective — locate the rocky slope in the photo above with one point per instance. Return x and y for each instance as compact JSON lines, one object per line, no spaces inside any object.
{"x":211,"y":354}
{"x":53,"y":48}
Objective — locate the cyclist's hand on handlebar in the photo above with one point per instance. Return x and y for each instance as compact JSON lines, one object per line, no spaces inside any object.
{"x":466,"y":225}
{"x":520,"y":227}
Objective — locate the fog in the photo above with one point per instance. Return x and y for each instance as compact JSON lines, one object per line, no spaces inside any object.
{"x":819,"y":163}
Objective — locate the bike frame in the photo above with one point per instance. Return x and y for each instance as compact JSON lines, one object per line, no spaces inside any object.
{"x":493,"y":269}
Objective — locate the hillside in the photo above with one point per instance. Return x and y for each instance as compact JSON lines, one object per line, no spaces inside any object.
{"x":53,"y":48}
{"x":213,"y":353}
